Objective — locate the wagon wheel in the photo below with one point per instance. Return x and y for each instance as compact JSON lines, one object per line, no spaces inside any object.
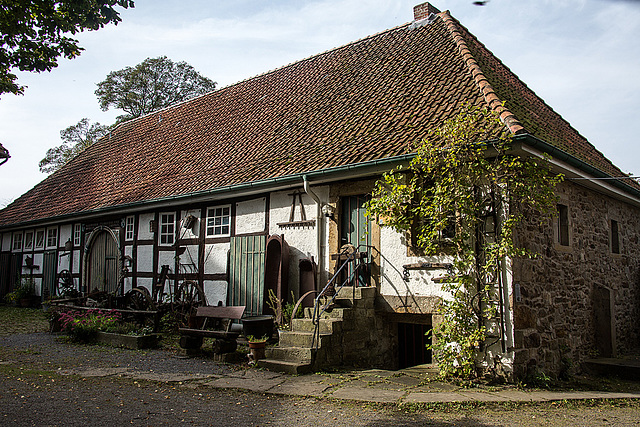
{"x":139,"y":298}
{"x":65,"y":284}
{"x":189,"y":296}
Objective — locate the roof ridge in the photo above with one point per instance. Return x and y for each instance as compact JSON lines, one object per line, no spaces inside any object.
{"x":489,"y":94}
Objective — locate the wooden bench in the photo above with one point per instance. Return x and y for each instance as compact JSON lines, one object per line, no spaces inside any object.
{"x":213,"y":317}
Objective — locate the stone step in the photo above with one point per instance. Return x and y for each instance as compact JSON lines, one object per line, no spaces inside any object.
{"x":284,"y":366}
{"x":328,"y":326}
{"x":302,"y":339}
{"x":359,"y":293}
{"x":336,"y":313}
{"x":291,"y":354}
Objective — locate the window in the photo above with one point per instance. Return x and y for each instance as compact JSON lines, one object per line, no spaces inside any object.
{"x":17,"y":241}
{"x":167,"y":228}
{"x":128,"y":228}
{"x":615,"y":237}
{"x":77,"y":235}
{"x":218,"y":220}
{"x":52,"y":238}
{"x":39,"y":239}
{"x":562,"y":236}
{"x":28,"y":240}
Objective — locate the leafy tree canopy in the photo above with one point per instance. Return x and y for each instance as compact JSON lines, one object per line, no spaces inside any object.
{"x":153,"y":84}
{"x":35,"y":33}
{"x":75,"y":139}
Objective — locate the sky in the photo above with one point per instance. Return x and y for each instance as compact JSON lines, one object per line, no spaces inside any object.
{"x":582,"y":57}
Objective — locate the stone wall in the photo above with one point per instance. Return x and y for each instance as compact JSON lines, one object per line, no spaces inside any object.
{"x":561,"y":312}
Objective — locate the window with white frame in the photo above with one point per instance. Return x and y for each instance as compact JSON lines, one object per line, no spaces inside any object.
{"x":52,"y":238}
{"x":128,"y":228}
{"x":17,"y":241}
{"x":28,"y":240}
{"x":39,"y":239}
{"x":218,"y":221}
{"x":77,"y":235}
{"x":167,"y":228}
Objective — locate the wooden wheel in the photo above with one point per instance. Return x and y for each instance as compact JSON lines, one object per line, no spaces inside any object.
{"x":189,"y":296}
{"x":64,"y":285}
{"x":139,"y":298}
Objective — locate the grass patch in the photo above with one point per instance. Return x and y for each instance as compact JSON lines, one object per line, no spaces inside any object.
{"x":18,"y":320}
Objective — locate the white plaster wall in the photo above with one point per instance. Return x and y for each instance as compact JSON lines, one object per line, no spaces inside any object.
{"x":194,"y":232}
{"x":65,"y":234}
{"x":127,"y":284}
{"x":76,"y":261}
{"x":144,"y":260}
{"x":302,"y":241}
{"x":6,"y":241}
{"x":143,"y":226}
{"x":64,"y":262}
{"x":128,"y":250}
{"x":215,"y":291}
{"x":147,"y":282}
{"x":38,"y":282}
{"x":394,"y":256}
{"x":37,"y":260}
{"x":190,"y":259}
{"x":165,"y":257}
{"x":251,"y":216}
{"x":215,"y":258}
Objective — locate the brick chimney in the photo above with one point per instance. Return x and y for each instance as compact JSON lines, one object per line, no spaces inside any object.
{"x":422,"y":11}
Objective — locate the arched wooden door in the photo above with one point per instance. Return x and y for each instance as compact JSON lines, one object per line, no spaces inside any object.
{"x":103,"y":263}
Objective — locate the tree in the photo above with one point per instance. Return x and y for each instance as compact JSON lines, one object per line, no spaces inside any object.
{"x":34,"y":33}
{"x":153,"y":84}
{"x":465,"y":178}
{"x":4,"y":155}
{"x":76,"y":139}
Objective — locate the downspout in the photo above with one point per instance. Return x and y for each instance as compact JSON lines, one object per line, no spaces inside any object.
{"x":319,"y":224}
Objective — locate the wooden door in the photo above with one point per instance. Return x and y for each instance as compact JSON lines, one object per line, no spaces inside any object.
{"x":246,"y":275}
{"x":103,"y":263}
{"x":49,"y":274}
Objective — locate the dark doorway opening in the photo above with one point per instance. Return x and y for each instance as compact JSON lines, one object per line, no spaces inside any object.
{"x":413,"y":339}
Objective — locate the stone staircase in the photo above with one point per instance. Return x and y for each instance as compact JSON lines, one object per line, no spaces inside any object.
{"x":345,"y":335}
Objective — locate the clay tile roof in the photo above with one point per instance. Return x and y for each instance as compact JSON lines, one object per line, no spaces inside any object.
{"x":364,"y":101}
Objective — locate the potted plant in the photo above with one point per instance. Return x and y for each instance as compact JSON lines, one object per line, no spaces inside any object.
{"x":256,"y":347}
{"x":23,"y":293}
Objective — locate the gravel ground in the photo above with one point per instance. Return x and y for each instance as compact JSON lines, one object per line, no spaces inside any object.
{"x":33,"y":393}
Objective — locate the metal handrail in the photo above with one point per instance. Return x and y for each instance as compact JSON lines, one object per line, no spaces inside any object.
{"x":317,"y":310}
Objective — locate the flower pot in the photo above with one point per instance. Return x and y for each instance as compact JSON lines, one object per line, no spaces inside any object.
{"x":257,"y":350}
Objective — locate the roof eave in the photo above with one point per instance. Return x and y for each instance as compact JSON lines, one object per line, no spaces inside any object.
{"x":317,"y":177}
{"x":574,"y":168}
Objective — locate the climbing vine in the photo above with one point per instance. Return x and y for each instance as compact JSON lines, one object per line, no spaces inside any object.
{"x":462,"y":196}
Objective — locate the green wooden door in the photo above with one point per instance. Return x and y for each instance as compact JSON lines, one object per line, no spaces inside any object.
{"x":246,"y":275}
{"x":355,"y":228}
{"x":49,"y":274}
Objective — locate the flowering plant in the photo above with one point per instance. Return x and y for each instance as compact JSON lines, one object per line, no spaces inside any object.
{"x":84,"y":326}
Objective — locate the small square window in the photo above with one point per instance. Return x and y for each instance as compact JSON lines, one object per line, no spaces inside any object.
{"x":17,"y":242}
{"x":218,"y":221}
{"x":28,"y":240}
{"x":562,"y":236}
{"x":52,"y":238}
{"x":167,"y":228}
{"x":615,"y":237}
{"x":77,"y":235}
{"x":128,"y":228}
{"x":39,"y":239}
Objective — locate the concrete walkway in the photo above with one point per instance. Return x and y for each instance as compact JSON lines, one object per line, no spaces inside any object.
{"x":412,"y":385}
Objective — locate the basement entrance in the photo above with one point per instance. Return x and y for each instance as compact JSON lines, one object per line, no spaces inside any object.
{"x":412,"y":344}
